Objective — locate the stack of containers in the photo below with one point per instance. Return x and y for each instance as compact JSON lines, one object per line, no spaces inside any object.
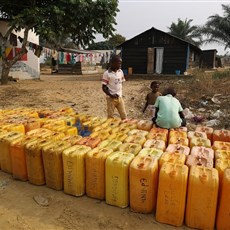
{"x":124,"y":162}
{"x":221,"y":146}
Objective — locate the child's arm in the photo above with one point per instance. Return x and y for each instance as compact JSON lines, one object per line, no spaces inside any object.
{"x":146,"y":104}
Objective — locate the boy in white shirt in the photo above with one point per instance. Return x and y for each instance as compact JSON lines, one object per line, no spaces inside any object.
{"x":112,"y":86}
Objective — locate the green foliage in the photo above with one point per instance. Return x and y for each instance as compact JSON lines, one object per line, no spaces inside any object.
{"x":221,"y":74}
{"x":217,"y":28}
{"x":76,"y":21}
{"x":109,"y":44}
{"x":79,"y":20}
{"x":184,"y":30}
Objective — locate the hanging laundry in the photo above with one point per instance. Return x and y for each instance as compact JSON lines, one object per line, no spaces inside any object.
{"x":13,"y":39}
{"x":38,"y":51}
{"x":61,"y":59}
{"x":20,"y":39}
{"x":73,"y":61}
{"x":68,"y":58}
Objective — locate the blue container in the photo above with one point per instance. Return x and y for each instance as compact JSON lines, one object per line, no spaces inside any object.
{"x":177,"y":72}
{"x":125,"y":71}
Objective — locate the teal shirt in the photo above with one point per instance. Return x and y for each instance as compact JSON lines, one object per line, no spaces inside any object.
{"x":168,"y":114}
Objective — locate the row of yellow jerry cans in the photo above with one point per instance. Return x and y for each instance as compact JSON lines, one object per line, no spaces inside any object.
{"x":73,"y":164}
{"x":112,"y":175}
{"x":220,"y":135}
{"x":25,"y":125}
{"x":199,"y":155}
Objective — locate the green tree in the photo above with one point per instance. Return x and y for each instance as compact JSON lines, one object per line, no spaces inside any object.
{"x":79,"y":20}
{"x":109,"y":44}
{"x":217,"y":28}
{"x":184,"y":30}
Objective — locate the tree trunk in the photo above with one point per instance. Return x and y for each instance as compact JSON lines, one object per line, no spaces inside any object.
{"x":5,"y":73}
{"x":7,"y":64}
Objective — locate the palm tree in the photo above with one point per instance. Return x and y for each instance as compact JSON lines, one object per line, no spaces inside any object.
{"x":217,"y":28}
{"x":184,"y":30}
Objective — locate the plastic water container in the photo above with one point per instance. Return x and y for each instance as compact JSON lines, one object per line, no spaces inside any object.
{"x":143,"y":174}
{"x":177,"y":72}
{"x":95,"y":172}
{"x":171,"y":198}
{"x":117,"y":178}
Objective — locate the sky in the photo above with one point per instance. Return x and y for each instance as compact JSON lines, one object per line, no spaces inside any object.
{"x":136,"y":16}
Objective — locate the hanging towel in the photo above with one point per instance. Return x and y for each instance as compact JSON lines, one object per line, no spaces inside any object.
{"x":13,"y":39}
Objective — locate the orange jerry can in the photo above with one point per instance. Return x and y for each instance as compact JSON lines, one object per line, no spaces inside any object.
{"x":74,"y":169}
{"x":221,"y":164}
{"x":5,"y":158}
{"x":171,"y":198}
{"x":192,"y":134}
{"x":110,"y":144}
{"x":178,"y":140}
{"x":118,"y":136}
{"x":222,"y":154}
{"x":199,"y":160}
{"x":95,"y":172}
{"x":130,"y":148}
{"x":202,"y":151}
{"x":158,"y":144}
{"x":158,"y":136}
{"x":221,"y":135}
{"x":199,"y":141}
{"x":100,"y":134}
{"x":177,"y":148}
{"x":128,"y":125}
{"x":89,"y":141}
{"x":143,"y":180}
{"x":18,"y":157}
{"x":202,"y":197}
{"x":174,"y":158}
{"x":207,"y":130}
{"x":32,"y":124}
{"x":177,"y":134}
{"x":34,"y":161}
{"x":17,"y":128}
{"x":70,"y":130}
{"x":53,"y":163}
{"x":72,"y":139}
{"x":180,"y":129}
{"x":159,"y":130}
{"x":119,"y":129}
{"x":151,"y":152}
{"x":135,"y":139}
{"x":41,"y":132}
{"x":223,"y":209}
{"x":117,"y":178}
{"x":144,"y":125}
{"x":138,"y":132}
{"x":56,"y":136}
{"x":221,"y":145}
{"x":2,"y":135}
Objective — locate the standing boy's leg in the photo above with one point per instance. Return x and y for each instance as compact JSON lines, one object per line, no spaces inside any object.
{"x":121,"y":108}
{"x":110,"y":107}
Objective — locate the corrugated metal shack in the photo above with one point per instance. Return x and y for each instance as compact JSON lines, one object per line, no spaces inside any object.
{"x":155,"y":51}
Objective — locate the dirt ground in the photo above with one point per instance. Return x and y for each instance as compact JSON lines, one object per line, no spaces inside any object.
{"x":26,"y":206}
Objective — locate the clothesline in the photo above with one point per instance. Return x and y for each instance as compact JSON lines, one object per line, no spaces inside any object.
{"x":37,"y":49}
